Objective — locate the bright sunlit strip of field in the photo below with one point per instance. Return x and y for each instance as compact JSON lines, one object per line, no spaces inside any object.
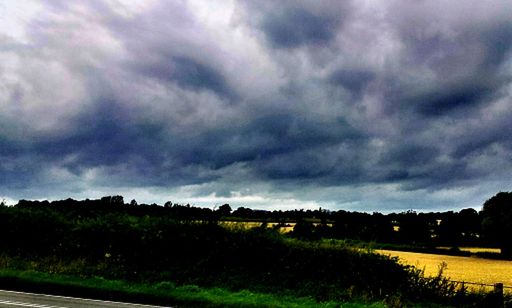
{"x":476,"y":249}
{"x":283,"y":228}
{"x":288,"y":227}
{"x":468,"y":269}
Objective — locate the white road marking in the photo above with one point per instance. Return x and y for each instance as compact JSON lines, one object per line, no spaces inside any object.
{"x":71,"y":298}
{"x":28,"y":304}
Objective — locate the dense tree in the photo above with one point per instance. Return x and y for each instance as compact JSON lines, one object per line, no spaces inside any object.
{"x":304,"y":230}
{"x":449,"y":230}
{"x":243,"y":212}
{"x":470,"y":222}
{"x":224,"y":210}
{"x":416,"y":228}
{"x":113,"y":200}
{"x":497,"y":221}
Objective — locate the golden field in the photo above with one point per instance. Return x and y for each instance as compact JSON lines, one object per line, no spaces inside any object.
{"x":475,"y":249}
{"x":468,"y":269}
{"x":253,"y":224}
{"x":288,"y":226}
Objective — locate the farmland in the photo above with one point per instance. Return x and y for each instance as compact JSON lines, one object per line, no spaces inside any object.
{"x":466,"y":269}
{"x":285,"y":228}
{"x":476,"y":249}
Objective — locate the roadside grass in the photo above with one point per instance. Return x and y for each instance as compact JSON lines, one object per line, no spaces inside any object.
{"x":162,"y":293}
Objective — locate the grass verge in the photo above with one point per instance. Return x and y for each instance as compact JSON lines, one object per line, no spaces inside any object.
{"x":162,"y":293}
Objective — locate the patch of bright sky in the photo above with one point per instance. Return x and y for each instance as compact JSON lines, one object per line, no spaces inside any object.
{"x":129,"y":8}
{"x":252,"y":201}
{"x":15,"y":15}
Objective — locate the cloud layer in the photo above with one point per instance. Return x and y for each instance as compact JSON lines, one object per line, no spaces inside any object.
{"x":364,"y":105}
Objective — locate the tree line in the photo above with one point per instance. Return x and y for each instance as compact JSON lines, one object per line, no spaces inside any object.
{"x":111,"y":238}
{"x":490,"y":227}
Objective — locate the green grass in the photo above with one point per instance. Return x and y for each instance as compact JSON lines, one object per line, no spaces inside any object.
{"x":159,"y":293}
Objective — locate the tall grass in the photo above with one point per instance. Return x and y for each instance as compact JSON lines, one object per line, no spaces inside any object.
{"x":164,"y":293}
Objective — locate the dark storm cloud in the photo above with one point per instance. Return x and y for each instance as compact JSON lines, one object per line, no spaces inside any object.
{"x":260,"y":140}
{"x":293,"y":99}
{"x":188,"y":73}
{"x":444,"y":99}
{"x":130,"y":154}
{"x":291,"y":24}
{"x":295,"y":27}
{"x":411,"y":154}
{"x":478,"y":138}
{"x":498,"y":43}
{"x":353,"y":80}
{"x":105,"y":137}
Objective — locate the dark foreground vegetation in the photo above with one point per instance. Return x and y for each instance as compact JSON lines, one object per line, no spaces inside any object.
{"x":175,"y":246}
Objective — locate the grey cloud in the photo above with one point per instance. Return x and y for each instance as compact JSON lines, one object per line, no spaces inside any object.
{"x":353,"y":80}
{"x":291,"y":24}
{"x":330,"y":98}
{"x":263,"y":138}
{"x":457,"y":62}
{"x":410,"y":155}
{"x":325,"y":165}
{"x":442,"y":100}
{"x":295,"y":27}
{"x":498,"y":43}
{"x":189,"y":73}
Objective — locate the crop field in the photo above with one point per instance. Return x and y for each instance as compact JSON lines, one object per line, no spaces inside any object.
{"x":468,"y":269}
{"x":476,"y":249}
{"x":288,"y":227}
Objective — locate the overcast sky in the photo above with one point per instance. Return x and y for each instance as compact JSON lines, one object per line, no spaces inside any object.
{"x":357,"y":105}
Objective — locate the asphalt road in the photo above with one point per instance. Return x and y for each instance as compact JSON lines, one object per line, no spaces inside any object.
{"x":20,"y":299}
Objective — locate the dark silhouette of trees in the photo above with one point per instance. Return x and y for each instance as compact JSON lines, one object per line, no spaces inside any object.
{"x":113,"y":200}
{"x":243,"y":212}
{"x":415,"y":228}
{"x":304,"y":230}
{"x":470,"y":226}
{"x":458,"y":228}
{"x":362,"y":226}
{"x":448,"y":231}
{"x":497,"y":221}
{"x":465,"y":228}
{"x":224,"y":210}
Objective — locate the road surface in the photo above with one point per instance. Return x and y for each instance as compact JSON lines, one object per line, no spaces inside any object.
{"x":13,"y":299}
